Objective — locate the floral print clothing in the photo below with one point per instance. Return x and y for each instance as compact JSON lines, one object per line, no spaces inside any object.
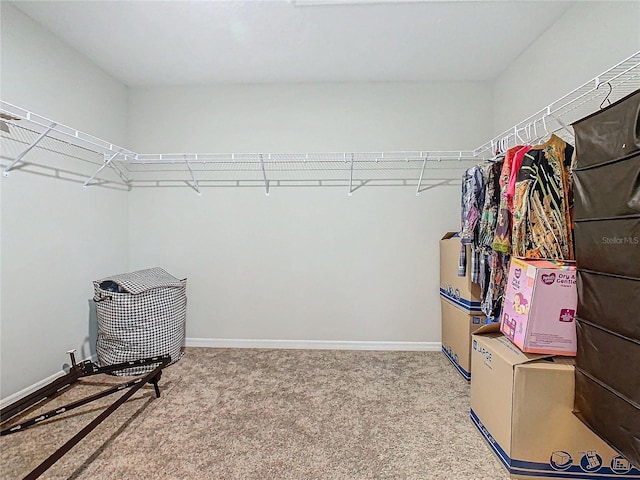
{"x":502,"y":237}
{"x":542,"y":203}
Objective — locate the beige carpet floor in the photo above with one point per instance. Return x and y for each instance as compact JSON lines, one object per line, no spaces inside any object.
{"x":272,"y":414}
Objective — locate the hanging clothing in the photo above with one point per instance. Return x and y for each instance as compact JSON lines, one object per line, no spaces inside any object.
{"x":472,"y":202}
{"x":502,"y":237}
{"x":521,"y":206}
{"x":499,"y":270}
{"x":520,"y":219}
{"x":489,"y":216}
{"x":542,"y":202}
{"x":515,"y":168}
{"x":490,"y":290}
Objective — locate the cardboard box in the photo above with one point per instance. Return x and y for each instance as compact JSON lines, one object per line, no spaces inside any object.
{"x":458,"y":290}
{"x":457,"y":327}
{"x":522,"y":405}
{"x":539,"y":308}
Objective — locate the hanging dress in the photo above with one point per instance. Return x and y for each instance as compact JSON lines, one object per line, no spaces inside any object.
{"x":502,"y":237}
{"x":542,"y":202}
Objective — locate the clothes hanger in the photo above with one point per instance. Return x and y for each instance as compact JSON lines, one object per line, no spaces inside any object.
{"x":504,"y":143}
{"x":534,"y":138}
{"x":527,"y":131}
{"x":540,"y":140}
{"x":537,"y":137}
{"x":517,"y":137}
{"x":606,"y":99}
{"x":564,"y":126}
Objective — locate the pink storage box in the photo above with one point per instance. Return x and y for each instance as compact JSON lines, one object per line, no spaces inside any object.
{"x":539,"y":309}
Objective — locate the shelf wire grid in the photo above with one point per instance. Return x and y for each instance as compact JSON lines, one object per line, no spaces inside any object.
{"x":122,"y":168}
{"x":52,"y":157}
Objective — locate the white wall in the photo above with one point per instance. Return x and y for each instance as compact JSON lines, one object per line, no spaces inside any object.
{"x":587,"y":40}
{"x":309,"y":117}
{"x":303,"y":263}
{"x":56,"y":238}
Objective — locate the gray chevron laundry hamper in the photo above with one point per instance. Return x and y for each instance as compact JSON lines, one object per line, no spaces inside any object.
{"x":140,"y":314}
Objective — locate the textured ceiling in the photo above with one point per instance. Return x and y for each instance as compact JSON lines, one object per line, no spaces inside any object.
{"x":195,"y":42}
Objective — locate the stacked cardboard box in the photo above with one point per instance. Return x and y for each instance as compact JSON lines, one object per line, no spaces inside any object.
{"x":458,"y":290}
{"x":460,"y":305}
{"x":522,"y":403}
{"x":540,"y":305}
{"x":607,"y":242}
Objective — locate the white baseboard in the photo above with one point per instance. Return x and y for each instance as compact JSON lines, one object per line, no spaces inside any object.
{"x":313,"y":344}
{"x":32,"y":388}
{"x":26,"y":391}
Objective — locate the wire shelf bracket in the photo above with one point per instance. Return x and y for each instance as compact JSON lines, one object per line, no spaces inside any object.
{"x":424,"y":164}
{"x":351,"y":176}
{"x":28,"y":149}
{"x":264,"y":176}
{"x":193,"y":177}
{"x":102,"y":167}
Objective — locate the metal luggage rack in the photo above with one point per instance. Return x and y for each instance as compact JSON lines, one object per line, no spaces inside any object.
{"x":58,"y":386}
{"x":101,"y":163}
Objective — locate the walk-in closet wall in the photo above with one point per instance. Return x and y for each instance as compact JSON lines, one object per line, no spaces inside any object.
{"x":588,"y":39}
{"x":55,"y":236}
{"x":306,"y":263}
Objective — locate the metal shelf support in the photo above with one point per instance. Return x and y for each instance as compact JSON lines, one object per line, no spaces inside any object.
{"x":351,"y":176}
{"x":102,"y":167}
{"x":424,"y":164}
{"x":264,"y":176}
{"x":28,"y":149}
{"x":120,"y":173}
{"x":195,"y":182}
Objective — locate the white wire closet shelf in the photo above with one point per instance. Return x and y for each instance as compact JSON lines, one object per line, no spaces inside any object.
{"x":36,"y":144}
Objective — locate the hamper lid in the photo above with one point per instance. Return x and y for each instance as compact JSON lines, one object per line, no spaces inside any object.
{"x":143,"y":280}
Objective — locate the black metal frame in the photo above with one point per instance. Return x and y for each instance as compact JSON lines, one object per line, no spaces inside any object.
{"x":76,"y":372}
